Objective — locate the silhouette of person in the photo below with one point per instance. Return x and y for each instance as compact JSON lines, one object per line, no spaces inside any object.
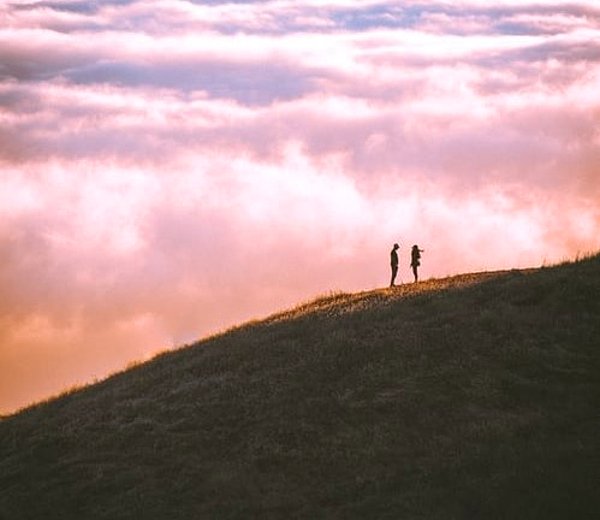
{"x":415,"y":260}
{"x":394,"y":264}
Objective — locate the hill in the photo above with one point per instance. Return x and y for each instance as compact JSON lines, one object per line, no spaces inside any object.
{"x":475,"y":396}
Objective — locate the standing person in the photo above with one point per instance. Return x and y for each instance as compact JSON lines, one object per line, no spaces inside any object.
{"x":394,"y":263}
{"x":415,"y":260}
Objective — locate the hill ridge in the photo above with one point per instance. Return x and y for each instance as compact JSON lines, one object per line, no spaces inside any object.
{"x":399,"y":291}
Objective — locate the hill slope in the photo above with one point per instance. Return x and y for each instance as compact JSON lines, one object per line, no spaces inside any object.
{"x":475,"y":396}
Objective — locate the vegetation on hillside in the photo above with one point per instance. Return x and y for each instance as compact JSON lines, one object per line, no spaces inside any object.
{"x":475,"y":396}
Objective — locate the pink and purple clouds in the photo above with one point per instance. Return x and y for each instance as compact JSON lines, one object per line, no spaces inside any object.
{"x":169,"y":168}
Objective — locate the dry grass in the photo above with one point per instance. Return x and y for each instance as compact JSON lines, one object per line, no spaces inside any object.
{"x":474,"y":396}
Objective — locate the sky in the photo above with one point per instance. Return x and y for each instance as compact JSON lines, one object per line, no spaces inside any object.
{"x":172,"y":168}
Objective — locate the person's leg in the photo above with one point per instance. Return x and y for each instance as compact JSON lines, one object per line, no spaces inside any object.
{"x":414,"y":267}
{"x":394,"y":273}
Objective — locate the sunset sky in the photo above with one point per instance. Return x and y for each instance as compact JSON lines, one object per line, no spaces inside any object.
{"x":171,"y":168}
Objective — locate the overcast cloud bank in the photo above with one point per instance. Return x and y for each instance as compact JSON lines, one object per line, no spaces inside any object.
{"x":171,"y":168}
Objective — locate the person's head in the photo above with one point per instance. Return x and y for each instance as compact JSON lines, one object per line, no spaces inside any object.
{"x":415,"y":247}
{"x":396,"y":246}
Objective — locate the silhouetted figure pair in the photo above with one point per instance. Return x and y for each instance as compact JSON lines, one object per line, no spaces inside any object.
{"x":415,"y":260}
{"x":394,"y":264}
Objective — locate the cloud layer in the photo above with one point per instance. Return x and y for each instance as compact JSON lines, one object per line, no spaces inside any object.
{"x":169,"y":168}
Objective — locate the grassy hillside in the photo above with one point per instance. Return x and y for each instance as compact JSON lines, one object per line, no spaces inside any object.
{"x":476,"y":396}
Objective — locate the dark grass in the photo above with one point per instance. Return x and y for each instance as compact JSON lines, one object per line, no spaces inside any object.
{"x":476,"y":396}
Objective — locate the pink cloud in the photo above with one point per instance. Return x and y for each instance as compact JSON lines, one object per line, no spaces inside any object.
{"x":210,"y":252}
